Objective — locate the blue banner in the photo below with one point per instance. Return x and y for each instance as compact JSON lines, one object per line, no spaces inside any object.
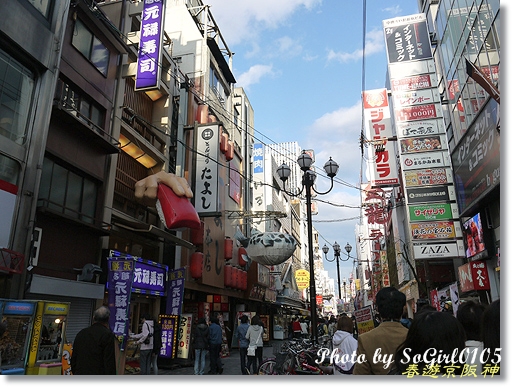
{"x":175,"y":292}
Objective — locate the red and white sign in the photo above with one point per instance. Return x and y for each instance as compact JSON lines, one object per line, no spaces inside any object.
{"x":425,"y":160}
{"x":415,"y":97}
{"x":8,"y":195}
{"x":474,"y":276}
{"x":377,"y":118}
{"x":420,"y":112}
{"x":417,"y":82}
{"x":434,"y":299}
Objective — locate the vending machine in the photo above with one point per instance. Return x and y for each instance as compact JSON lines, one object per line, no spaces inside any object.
{"x":19,"y":317}
{"x":47,"y":339}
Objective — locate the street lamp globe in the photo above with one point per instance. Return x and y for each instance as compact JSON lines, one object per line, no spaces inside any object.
{"x":337,"y":249}
{"x":284,"y":172}
{"x":304,"y":161}
{"x":331,"y":167}
{"x":348,"y":248}
{"x":325,"y":249}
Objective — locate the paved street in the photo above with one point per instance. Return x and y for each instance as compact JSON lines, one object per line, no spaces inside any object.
{"x":231,"y":364}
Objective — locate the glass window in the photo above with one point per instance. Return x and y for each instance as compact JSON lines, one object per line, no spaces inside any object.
{"x":58,"y":187}
{"x":89,"y":201}
{"x":73,"y":196}
{"x":99,"y":56}
{"x":91,"y":47}
{"x":42,"y":6}
{"x":16,"y":86}
{"x":82,"y":39}
{"x":76,"y":103}
{"x":68,"y":192}
{"x":9,"y":170}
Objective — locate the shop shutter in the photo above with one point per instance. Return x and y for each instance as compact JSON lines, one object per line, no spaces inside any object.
{"x":80,"y":313}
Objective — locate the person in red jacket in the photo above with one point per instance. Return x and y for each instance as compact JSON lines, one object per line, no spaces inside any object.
{"x":296,"y":328}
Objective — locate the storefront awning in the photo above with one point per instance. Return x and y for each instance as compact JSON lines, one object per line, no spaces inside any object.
{"x":155,"y":231}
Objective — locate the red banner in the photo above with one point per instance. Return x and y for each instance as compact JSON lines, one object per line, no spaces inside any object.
{"x":474,"y":276}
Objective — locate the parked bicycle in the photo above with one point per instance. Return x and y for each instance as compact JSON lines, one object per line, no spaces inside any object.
{"x":297,"y":357}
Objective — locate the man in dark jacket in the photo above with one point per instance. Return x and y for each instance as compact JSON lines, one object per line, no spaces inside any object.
{"x":201,"y":344}
{"x":94,"y":347}
{"x":379,"y":345}
{"x":215,"y":347}
{"x":243,"y":342}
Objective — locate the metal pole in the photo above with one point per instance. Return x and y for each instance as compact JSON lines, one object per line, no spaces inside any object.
{"x":338,"y":270}
{"x":312,"y":288}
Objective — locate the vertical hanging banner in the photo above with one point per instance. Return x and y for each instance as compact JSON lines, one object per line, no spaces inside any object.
{"x":184,"y":335}
{"x":120,"y":278}
{"x":175,"y":291}
{"x":207,"y":174}
{"x":258,"y":161}
{"x":150,"y":45}
{"x":377,"y":119}
{"x":169,"y":325}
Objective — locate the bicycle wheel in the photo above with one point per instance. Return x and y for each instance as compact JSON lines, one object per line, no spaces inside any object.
{"x":288,"y":366}
{"x":268,"y":367}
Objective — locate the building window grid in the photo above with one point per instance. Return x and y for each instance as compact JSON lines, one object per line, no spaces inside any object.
{"x":68,"y":193}
{"x":91,"y":47}
{"x":16,"y":90}
{"x":82,"y":107}
{"x":477,"y":46}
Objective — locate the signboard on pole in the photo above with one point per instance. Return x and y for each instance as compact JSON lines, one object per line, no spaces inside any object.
{"x":364,"y":319}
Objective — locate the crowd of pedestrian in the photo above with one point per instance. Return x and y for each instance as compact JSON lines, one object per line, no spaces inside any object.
{"x":394,"y":347}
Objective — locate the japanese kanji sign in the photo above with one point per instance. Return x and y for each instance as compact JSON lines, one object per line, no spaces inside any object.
{"x":474,"y":276}
{"x":258,"y":158}
{"x":407,"y":38}
{"x":120,"y":278}
{"x":150,"y":45}
{"x":175,"y":291}
{"x":377,"y":118}
{"x":207,"y":174}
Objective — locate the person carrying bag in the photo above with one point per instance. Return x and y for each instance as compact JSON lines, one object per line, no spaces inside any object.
{"x":255,"y":350}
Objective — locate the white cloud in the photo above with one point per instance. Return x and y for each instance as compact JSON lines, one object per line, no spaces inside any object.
{"x":254,"y":75}
{"x":242,"y":20}
{"x":336,"y":134}
{"x":374,"y":44}
{"x":288,"y":47}
{"x":395,"y":10}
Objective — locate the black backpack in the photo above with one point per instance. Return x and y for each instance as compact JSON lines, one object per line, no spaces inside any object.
{"x":157,"y":338}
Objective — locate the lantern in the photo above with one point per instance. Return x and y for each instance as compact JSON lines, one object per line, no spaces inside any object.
{"x":228,"y":276}
{"x":243,"y":285}
{"x":268,"y":248}
{"x":196,"y":235}
{"x":228,"y":249}
{"x":230,"y":153}
{"x":202,"y":114}
{"x":241,"y":259}
{"x":196,"y":265}
{"x":236,"y":285}
{"x":224,"y":142}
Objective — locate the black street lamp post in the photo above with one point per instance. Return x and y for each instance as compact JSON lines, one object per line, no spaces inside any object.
{"x":337,"y":251}
{"x":308,"y":181}
{"x":348,"y":249}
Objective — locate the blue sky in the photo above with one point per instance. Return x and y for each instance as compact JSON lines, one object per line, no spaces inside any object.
{"x":300,"y":63}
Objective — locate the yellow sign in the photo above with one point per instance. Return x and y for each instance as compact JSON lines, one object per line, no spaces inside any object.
{"x":302,"y":279}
